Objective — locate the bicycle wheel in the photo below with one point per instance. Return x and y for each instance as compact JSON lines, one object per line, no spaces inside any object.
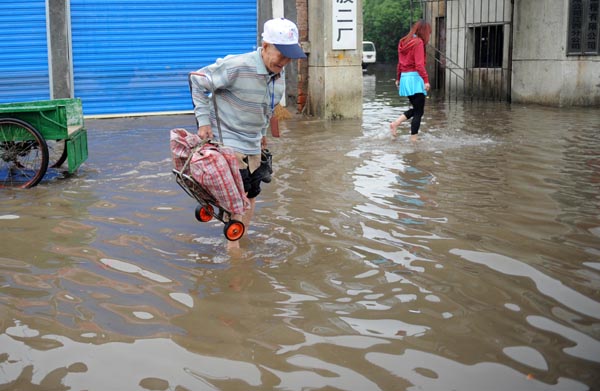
{"x":57,"y":153}
{"x":23,"y":154}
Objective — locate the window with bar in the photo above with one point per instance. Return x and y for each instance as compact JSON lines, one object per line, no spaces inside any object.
{"x":583,"y":37}
{"x":489,"y":46}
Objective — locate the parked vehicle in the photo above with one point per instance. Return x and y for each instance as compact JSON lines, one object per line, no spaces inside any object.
{"x":369,"y":55}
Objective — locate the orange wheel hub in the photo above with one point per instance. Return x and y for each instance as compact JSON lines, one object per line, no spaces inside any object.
{"x":204,"y":213}
{"x":234,"y":230}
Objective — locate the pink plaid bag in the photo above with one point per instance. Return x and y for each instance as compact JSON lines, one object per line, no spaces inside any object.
{"x":213,"y":166}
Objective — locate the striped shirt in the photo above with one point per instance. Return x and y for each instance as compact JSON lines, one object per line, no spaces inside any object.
{"x":246,"y":95}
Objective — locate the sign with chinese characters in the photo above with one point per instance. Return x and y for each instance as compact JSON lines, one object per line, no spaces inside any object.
{"x":344,"y":24}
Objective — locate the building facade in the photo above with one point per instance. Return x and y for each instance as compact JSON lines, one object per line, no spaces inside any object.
{"x":132,"y":57}
{"x":543,"y":51}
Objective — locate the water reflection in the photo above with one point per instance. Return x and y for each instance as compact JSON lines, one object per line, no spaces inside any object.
{"x":468,"y":260}
{"x":430,"y":371}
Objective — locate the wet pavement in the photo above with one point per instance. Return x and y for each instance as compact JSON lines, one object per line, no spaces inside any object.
{"x":469,"y":260}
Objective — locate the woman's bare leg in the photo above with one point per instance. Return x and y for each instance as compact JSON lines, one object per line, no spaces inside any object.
{"x":394,"y":125}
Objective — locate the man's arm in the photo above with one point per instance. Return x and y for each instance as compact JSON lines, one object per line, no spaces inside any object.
{"x":200,"y":87}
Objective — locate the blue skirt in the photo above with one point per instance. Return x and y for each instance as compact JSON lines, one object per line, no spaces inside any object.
{"x":411,"y":83}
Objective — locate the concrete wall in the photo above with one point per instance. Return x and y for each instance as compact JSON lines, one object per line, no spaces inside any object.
{"x":542,"y":72}
{"x":334,"y":76}
{"x":59,"y":43}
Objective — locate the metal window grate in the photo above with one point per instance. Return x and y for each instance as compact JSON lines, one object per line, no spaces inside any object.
{"x":583,"y":35}
{"x":488,"y":46}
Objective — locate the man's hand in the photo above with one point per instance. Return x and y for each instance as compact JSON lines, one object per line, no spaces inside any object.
{"x":205,"y":132}
{"x":263,"y":142}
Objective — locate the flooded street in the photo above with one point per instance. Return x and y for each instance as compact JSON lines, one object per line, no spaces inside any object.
{"x":467,"y":261}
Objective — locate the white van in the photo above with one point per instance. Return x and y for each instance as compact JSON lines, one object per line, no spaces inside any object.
{"x":369,"y":55}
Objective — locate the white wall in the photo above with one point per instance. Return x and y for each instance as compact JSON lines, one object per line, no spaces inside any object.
{"x":542,"y":72}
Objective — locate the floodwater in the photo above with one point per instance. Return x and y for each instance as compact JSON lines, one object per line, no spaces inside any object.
{"x":467,"y":261}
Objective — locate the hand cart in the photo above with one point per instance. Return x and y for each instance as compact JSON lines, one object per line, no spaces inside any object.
{"x":208,"y":207}
{"x":35,"y":136}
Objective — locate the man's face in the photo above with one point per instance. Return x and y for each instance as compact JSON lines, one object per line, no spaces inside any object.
{"x":273,"y":59}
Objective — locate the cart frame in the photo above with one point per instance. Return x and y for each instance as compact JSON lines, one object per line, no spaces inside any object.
{"x":38,"y":135}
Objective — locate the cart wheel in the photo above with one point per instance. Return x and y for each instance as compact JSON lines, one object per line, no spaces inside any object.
{"x":234,"y":230}
{"x":204,"y":213}
{"x":23,"y":154}
{"x":57,"y":153}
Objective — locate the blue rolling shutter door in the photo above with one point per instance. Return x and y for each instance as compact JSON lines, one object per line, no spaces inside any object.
{"x":24,"y":74}
{"x":133,"y":56}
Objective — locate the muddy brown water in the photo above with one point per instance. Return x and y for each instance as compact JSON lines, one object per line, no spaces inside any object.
{"x":468,"y":261}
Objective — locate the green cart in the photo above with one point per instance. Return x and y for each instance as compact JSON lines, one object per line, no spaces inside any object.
{"x":36,"y":136}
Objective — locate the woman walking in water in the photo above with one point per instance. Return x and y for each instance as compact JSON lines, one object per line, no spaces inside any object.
{"x":411,"y":76}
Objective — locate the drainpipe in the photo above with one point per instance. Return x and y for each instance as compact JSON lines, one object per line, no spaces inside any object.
{"x":302,"y":93}
{"x":277,"y":12}
{"x":510,"y":52}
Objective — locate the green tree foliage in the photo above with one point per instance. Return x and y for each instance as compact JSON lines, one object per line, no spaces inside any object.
{"x":385,"y":22}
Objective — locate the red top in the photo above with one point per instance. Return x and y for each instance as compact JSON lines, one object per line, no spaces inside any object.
{"x":411,"y":58}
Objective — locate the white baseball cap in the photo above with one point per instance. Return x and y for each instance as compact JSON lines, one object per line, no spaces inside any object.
{"x":283,"y":34}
